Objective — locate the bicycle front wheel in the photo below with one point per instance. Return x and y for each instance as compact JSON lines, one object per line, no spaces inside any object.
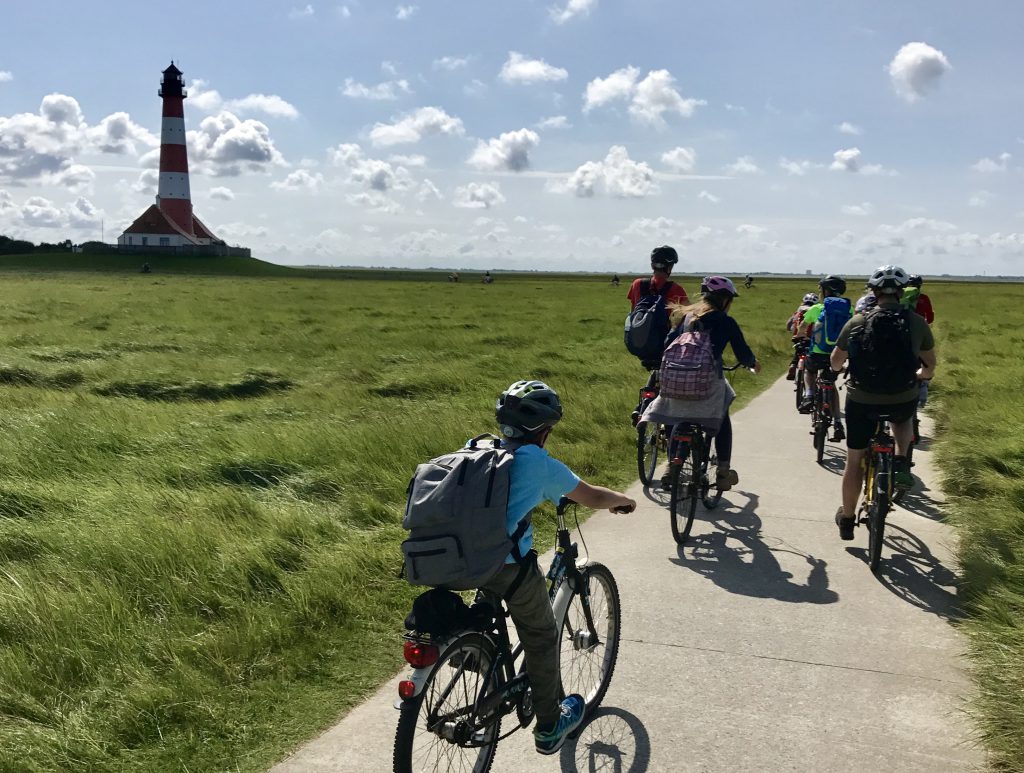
{"x":647,"y":450}
{"x":587,"y":653}
{"x":820,"y":432}
{"x":685,"y":490}
{"x":435,"y":730}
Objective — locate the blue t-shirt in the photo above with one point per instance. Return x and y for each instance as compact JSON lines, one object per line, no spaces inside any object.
{"x":535,"y":477}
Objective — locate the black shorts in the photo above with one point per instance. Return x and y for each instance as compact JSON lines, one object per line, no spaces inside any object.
{"x":817,"y":361}
{"x":861,"y":420}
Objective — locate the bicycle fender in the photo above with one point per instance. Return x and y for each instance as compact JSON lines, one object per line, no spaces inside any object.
{"x":419,"y":678}
{"x":561,"y":601}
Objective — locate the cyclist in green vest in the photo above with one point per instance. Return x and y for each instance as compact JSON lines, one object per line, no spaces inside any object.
{"x":823,"y":322}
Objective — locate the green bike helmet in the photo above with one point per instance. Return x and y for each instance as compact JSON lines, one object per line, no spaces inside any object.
{"x":526,"y":408}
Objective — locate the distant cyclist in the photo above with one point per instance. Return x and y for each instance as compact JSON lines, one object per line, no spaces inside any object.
{"x":748,"y":282}
{"x":889,"y":349}
{"x":824,"y":321}
{"x":915,"y":300}
{"x":658,"y":290}
{"x":711,"y":313}
{"x":796,"y":327}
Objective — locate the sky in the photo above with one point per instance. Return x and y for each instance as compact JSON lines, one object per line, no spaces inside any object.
{"x":779,"y":136}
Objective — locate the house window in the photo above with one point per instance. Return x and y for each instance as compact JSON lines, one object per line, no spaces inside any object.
{"x":165,"y":241}
{"x":145,"y":239}
{"x":129,"y":240}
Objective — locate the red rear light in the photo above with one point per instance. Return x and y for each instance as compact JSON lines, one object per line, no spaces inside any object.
{"x":878,"y":448}
{"x":420,"y":655}
{"x":682,"y":438}
{"x":406,"y":689}
{"x":647,"y":394}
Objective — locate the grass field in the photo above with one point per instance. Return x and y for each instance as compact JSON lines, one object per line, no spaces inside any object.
{"x":201,"y":481}
{"x":981,"y":454}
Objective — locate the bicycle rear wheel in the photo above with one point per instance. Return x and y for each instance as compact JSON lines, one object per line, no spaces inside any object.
{"x":685,"y":490}
{"x":876,"y":519}
{"x":799,"y":386}
{"x":647,"y":450}
{"x":586,"y":656}
{"x":434,"y":732}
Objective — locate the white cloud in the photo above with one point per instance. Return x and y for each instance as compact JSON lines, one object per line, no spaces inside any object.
{"x":987,"y":165}
{"x":743,"y":165}
{"x":40,"y":212}
{"x":618,"y":175}
{"x":476,"y":89}
{"x":118,"y":134}
{"x":75,"y":177}
{"x":846,"y":160}
{"x":33,"y":145}
{"x":344,"y":12}
{"x":404,"y":12}
{"x":414,"y":126}
{"x":519,"y":69}
{"x":450,"y":63}
{"x":848,"y":128}
{"x":735,"y":108}
{"x":509,"y":151}
{"x":370,"y":173}
{"x":301,"y":13}
{"x":6,"y":76}
{"x":203,"y":98}
{"x":375,"y":201}
{"x":413,"y":160}
{"x":300,"y":180}
{"x":619,"y":85}
{"x":225,"y":145}
{"x":980,"y":199}
{"x":268,"y":104}
{"x":223,"y":193}
{"x":82,"y":213}
{"x":797,"y":168}
{"x":148,"y":181}
{"x":656,"y":95}
{"x":388,"y":68}
{"x":650,"y":98}
{"x":916,"y":69}
{"x":681,"y":160}
{"x":863,"y":209}
{"x":388,"y":90}
{"x":6,"y":202}
{"x":572,"y":9}
{"x":478,"y":196}
{"x":553,"y":122}
{"x":428,"y":191}
{"x":709,"y":197}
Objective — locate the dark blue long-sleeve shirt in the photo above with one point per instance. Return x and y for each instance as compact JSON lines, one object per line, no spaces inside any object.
{"x":724,"y":331}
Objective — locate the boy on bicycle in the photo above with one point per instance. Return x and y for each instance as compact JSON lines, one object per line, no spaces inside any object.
{"x":823,"y":321}
{"x":526,"y":413}
{"x":795,"y":326}
{"x":884,"y":347}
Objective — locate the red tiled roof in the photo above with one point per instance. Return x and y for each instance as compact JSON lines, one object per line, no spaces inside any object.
{"x":201,"y":231}
{"x":155,"y":221}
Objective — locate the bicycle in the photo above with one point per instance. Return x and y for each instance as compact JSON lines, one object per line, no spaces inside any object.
{"x":824,"y":409}
{"x":467,"y":680}
{"x":650,"y":437}
{"x":878,"y":489}
{"x":688,"y":472}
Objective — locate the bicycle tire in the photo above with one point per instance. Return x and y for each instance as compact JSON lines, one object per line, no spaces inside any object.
{"x":683,"y":501}
{"x":820,"y":432}
{"x":709,"y":499}
{"x":876,"y":520}
{"x":647,"y":450}
{"x":438,"y":752}
{"x":799,"y":386}
{"x":587,"y":669}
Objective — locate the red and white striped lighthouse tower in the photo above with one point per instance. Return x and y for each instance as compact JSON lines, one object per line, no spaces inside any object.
{"x":173,"y":196}
{"x":170,"y":222}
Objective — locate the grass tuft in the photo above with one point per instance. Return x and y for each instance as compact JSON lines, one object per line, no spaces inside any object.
{"x":249,"y":386}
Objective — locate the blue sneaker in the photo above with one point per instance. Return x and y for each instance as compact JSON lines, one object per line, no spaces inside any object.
{"x":549,"y":742}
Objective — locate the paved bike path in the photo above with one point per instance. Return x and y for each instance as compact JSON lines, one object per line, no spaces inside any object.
{"x":763,"y":644}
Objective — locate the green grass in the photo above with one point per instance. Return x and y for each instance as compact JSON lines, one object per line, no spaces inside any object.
{"x":981,"y":455}
{"x":201,"y":481}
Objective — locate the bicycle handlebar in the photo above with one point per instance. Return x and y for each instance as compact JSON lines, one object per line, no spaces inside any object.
{"x":564,"y":503}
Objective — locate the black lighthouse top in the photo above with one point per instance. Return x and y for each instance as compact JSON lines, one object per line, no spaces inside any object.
{"x":172,"y":84}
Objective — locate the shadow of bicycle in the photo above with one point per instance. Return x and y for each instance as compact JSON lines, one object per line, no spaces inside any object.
{"x":918,"y":502}
{"x":613,"y":741}
{"x":911,"y":572}
{"x":739,"y":559}
{"x":834,"y":460}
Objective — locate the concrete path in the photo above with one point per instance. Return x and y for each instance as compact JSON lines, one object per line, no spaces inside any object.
{"x":764,"y":644}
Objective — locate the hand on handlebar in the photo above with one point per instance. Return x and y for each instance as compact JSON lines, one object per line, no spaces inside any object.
{"x":626,"y":507}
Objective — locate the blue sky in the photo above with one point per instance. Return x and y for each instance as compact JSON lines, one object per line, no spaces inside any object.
{"x":550,"y":134}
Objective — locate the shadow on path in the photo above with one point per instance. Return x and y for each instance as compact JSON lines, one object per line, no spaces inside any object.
{"x":918,"y":502}
{"x":834,"y":460}
{"x":614,"y":741}
{"x":910,"y":571}
{"x":736,"y":558}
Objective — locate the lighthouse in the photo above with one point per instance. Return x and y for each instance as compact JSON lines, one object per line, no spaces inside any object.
{"x":170,"y":222}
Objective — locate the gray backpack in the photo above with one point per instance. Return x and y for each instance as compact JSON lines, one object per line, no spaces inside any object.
{"x":456,"y":517}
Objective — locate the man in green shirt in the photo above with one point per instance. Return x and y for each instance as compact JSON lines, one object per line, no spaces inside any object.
{"x":889,"y":349}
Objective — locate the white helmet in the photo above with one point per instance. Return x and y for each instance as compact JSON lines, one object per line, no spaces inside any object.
{"x":889,"y":279}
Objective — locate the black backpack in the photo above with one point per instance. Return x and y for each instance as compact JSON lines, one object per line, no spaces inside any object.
{"x":647,"y":324}
{"x":882,"y":359}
